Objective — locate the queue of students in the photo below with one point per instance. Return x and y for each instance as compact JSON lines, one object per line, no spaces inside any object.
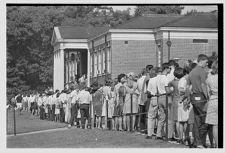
{"x":138,"y":103}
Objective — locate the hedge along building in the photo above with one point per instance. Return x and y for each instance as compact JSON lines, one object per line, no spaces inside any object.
{"x":102,"y":52}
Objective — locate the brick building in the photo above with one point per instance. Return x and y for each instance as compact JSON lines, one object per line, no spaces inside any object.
{"x":102,"y":52}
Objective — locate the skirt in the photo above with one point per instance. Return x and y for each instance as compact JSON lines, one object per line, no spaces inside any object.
{"x":111,"y":107}
{"x":212,"y":111}
{"x":119,"y":108}
{"x":57,"y":111}
{"x":182,"y":114}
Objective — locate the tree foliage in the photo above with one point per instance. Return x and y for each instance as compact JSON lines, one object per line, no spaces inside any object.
{"x":29,"y":31}
{"x":158,"y":9}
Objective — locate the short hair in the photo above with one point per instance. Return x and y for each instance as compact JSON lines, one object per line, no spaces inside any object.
{"x":187,"y":69}
{"x":215,"y":67}
{"x":153,"y":72}
{"x":210,"y":62}
{"x":202,"y":57}
{"x":193,"y":65}
{"x":176,"y":65}
{"x":143,"y":72}
{"x":172,"y":63}
{"x":149,"y":67}
{"x":120,"y":76}
{"x":178,"y":72}
{"x":165,"y":66}
{"x":158,"y":69}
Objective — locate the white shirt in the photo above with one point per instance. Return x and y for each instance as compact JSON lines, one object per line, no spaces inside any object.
{"x":25,"y":99}
{"x":40,"y":101}
{"x":63,"y":97}
{"x":140,"y":83}
{"x":182,"y":85}
{"x":84,"y":97}
{"x":162,"y":82}
{"x":152,"y":85}
{"x":49,"y":100}
{"x":31,"y":99}
{"x":73,"y":95}
{"x":171,"y":76}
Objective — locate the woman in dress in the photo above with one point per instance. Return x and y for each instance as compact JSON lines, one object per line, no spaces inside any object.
{"x":106,"y":97}
{"x":130,"y":89}
{"x":212,"y":110}
{"x":97,"y":106}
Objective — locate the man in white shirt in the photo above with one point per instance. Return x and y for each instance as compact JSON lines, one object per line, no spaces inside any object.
{"x":74,"y":106}
{"x":162,"y":82}
{"x":84,"y":99}
{"x":63,"y":99}
{"x":143,"y":106}
{"x":153,"y":107}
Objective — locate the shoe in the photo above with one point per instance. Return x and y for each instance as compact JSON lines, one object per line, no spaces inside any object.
{"x":200,"y":146}
{"x":158,"y":138}
{"x":69,"y":126}
{"x":149,"y":137}
{"x":172,"y":139}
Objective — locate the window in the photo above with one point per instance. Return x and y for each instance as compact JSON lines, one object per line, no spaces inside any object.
{"x":200,"y":40}
{"x":99,"y":63}
{"x":95,"y":64}
{"x":91,"y":65}
{"x":104,"y":61}
{"x":108,"y":60}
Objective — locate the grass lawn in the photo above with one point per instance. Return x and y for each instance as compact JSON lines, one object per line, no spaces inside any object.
{"x":28,"y":123}
{"x":90,"y":138}
{"x":72,"y":138}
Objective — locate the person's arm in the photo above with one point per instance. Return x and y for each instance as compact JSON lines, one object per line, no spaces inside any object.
{"x":203,"y":77}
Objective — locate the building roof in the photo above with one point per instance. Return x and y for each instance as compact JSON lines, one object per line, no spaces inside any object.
{"x":148,"y":22}
{"x":200,"y":20}
{"x":80,"y":32}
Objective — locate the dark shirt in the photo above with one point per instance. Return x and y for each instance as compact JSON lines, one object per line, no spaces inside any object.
{"x":19,"y":99}
{"x":196,"y":77}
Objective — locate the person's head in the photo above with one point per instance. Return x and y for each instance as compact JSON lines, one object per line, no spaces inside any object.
{"x":112,"y":88}
{"x":148,"y":68}
{"x":120,"y":77}
{"x":165,"y":68}
{"x":202,"y":60}
{"x":158,"y":70}
{"x":107,"y":83}
{"x":172,"y":64}
{"x":187,"y":69}
{"x":193,"y":65}
{"x":154,"y":72}
{"x":178,"y":72}
{"x":215,"y":67}
{"x":143,"y":72}
{"x":210,"y":62}
{"x":83,"y":86}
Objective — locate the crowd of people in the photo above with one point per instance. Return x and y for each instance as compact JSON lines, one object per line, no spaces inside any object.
{"x":184,"y":97}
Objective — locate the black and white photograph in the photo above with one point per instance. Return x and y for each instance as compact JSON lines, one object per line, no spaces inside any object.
{"x":106,"y":75}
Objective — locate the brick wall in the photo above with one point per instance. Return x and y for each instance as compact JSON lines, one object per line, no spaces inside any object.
{"x":186,"y":49}
{"x":132,"y":57}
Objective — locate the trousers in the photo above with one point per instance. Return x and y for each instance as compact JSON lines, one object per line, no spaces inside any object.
{"x":152,"y":116}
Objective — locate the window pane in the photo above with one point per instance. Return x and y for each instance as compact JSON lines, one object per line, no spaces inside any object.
{"x":99,"y":63}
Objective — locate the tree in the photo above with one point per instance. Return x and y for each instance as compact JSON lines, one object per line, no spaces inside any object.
{"x":29,"y":32}
{"x":158,"y":9}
